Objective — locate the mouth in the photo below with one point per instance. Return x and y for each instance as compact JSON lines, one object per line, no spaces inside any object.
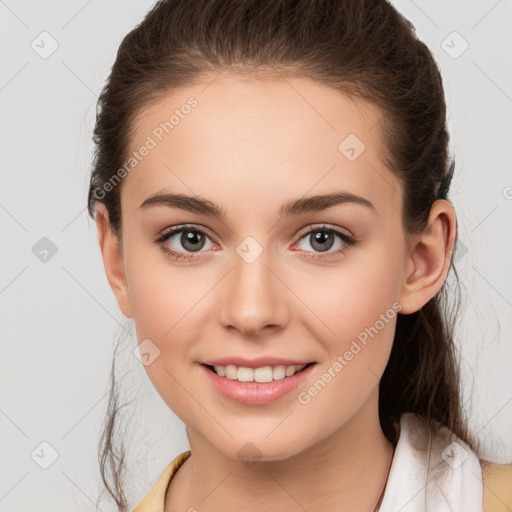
{"x":262,"y":374}
{"x":257,"y":385}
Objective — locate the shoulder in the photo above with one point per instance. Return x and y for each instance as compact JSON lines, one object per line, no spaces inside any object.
{"x":497,"y":486}
{"x":154,"y":500}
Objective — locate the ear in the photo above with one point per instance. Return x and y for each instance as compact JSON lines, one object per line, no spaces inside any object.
{"x":429,"y":256}
{"x":111,"y":251}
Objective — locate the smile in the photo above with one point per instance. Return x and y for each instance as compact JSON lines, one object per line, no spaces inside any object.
{"x":261,"y":374}
{"x":256,"y":386}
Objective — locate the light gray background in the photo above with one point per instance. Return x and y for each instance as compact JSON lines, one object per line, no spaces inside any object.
{"x":59,"y":317}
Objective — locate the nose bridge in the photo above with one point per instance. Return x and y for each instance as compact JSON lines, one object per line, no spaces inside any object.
{"x":253,"y":297}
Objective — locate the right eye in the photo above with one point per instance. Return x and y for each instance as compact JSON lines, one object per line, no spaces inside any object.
{"x":191,"y":239}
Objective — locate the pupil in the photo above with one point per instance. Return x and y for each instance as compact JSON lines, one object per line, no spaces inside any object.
{"x":320,"y":238}
{"x":192,"y":237}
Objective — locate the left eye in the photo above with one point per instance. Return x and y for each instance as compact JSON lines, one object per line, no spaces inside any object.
{"x":323,"y":239}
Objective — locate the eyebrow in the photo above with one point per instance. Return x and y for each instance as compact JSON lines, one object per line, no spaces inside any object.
{"x":294,"y":207}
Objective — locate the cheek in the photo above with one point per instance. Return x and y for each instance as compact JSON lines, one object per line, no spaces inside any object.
{"x":162,"y":294}
{"x":167,"y":305}
{"x":349,"y":298}
{"x":355,"y":312}
{"x":358,"y":314}
{"x":170,"y":305}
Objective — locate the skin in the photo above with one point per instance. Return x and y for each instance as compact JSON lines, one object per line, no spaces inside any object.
{"x":250,"y":146}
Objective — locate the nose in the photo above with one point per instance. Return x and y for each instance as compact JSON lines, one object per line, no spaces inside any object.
{"x":253,"y":297}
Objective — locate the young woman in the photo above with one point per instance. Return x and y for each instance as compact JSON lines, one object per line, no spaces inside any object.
{"x":270,"y":191}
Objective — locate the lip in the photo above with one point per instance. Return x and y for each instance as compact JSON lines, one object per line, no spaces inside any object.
{"x":254,"y":363}
{"x":256,"y":393}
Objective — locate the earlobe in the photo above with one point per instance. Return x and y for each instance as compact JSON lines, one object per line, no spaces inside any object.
{"x":113,"y":260}
{"x":429,"y":259}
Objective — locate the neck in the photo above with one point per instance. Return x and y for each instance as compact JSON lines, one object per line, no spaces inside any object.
{"x":345,"y":471}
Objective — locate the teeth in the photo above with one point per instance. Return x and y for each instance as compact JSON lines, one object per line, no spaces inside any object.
{"x":263,"y":374}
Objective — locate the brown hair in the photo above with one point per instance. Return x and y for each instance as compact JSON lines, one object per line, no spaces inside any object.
{"x":364,"y":48}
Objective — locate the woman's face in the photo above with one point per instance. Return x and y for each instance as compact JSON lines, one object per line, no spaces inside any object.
{"x":255,"y":283}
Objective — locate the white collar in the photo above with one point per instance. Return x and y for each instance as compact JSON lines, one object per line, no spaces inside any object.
{"x":453,"y":482}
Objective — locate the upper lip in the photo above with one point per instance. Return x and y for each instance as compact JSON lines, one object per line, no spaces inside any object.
{"x":254,"y":363}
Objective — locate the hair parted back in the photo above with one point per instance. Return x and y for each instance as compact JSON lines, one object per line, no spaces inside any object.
{"x":364,"y":48}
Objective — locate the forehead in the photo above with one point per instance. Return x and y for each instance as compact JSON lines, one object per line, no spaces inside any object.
{"x":260,"y":138}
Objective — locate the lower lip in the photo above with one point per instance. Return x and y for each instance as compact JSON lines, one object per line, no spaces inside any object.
{"x":256,"y":393}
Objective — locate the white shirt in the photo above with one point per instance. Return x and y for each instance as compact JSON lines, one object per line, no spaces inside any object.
{"x":453,"y":482}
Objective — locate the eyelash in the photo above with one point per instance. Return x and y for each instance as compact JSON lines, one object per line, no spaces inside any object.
{"x":349,"y":241}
